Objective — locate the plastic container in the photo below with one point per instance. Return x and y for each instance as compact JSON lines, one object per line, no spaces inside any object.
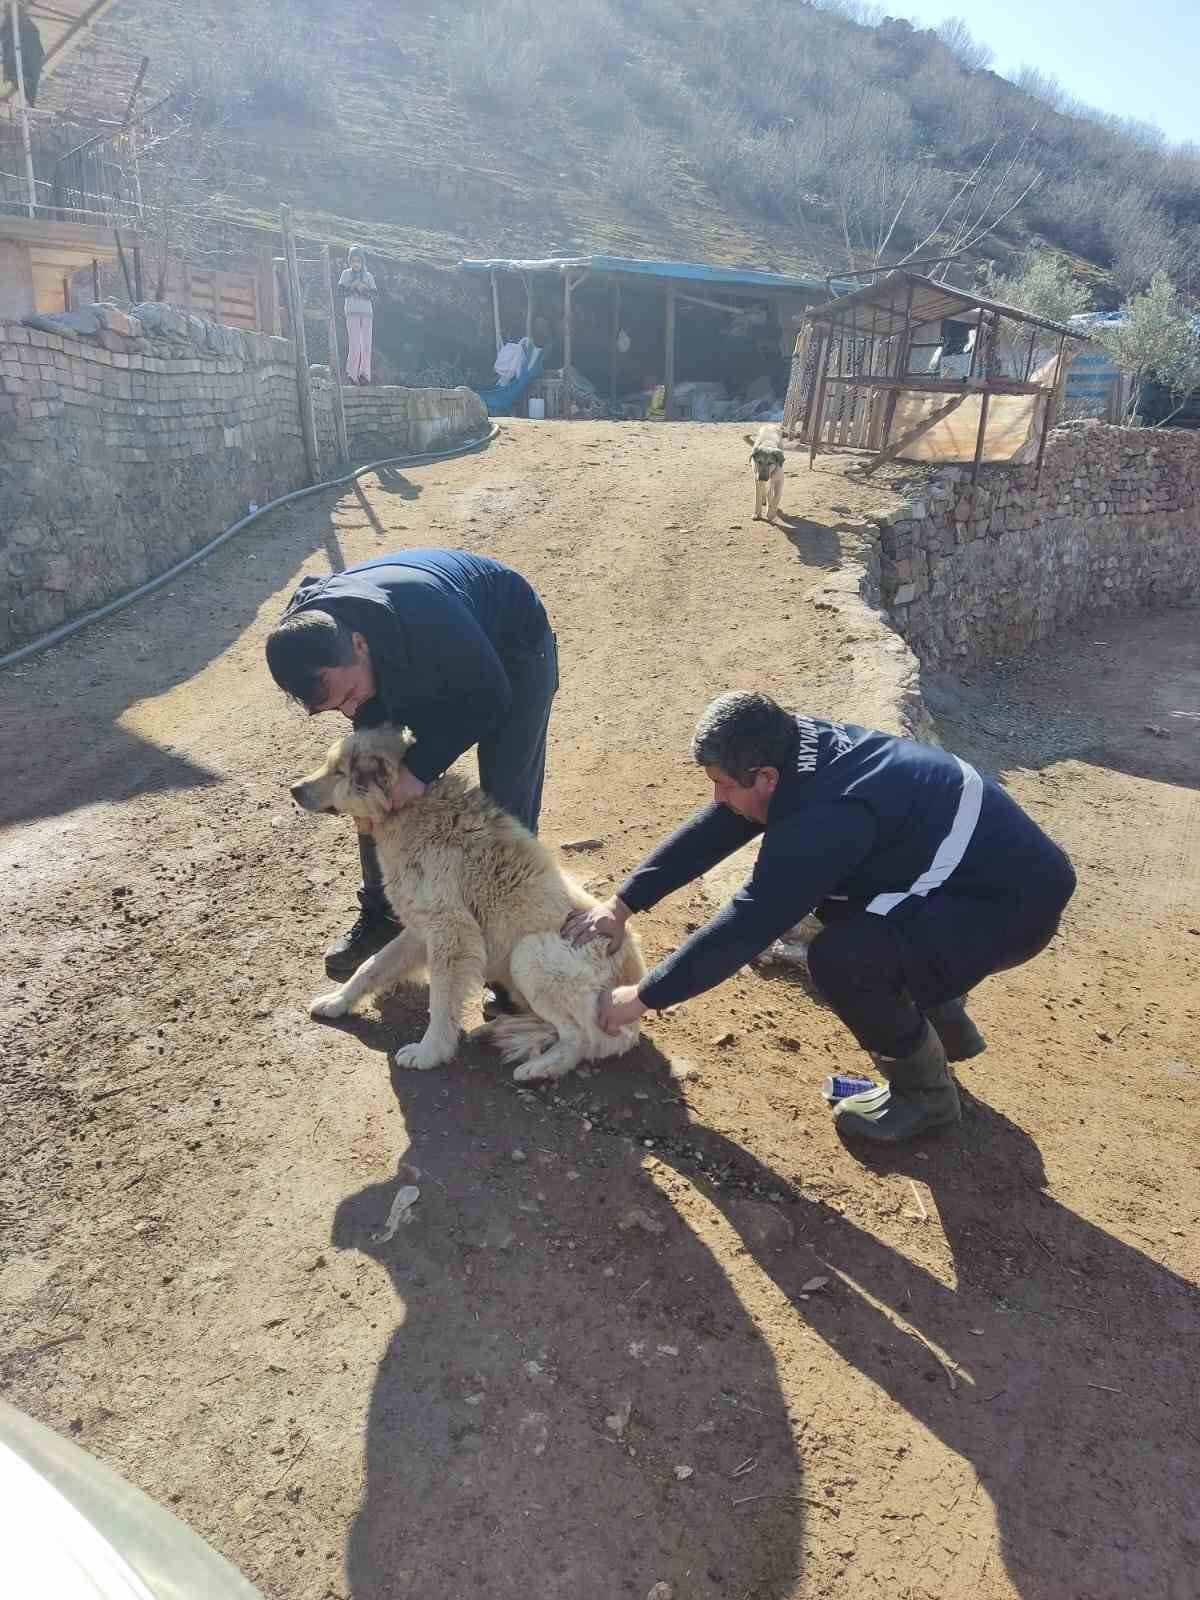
{"x":537,"y":408}
{"x":842,"y":1084}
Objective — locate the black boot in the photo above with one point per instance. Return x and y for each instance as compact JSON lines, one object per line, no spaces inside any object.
{"x":960,"y":1037}
{"x":375,"y":927}
{"x":919,"y":1095}
{"x":371,"y":931}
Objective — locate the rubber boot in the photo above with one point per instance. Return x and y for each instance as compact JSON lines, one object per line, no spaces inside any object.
{"x":919,"y":1095}
{"x":960,"y":1038}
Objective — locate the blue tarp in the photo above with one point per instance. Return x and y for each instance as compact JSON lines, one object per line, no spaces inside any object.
{"x":501,"y":400}
{"x":692,"y":271}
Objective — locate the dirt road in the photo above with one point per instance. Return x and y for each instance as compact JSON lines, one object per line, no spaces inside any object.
{"x":590,"y":1364}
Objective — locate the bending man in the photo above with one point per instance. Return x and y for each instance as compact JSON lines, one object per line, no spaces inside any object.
{"x":927,"y":876}
{"x":454,"y":646}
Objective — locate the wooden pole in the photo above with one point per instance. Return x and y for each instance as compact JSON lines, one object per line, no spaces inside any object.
{"x":528,"y":306}
{"x":612,"y":350}
{"x":23,"y":108}
{"x":66,"y":292}
{"x":95,"y":282}
{"x":496,"y":311}
{"x":1053,"y":400}
{"x":308,"y":424}
{"x":335,"y":359}
{"x":984,"y":400}
{"x":669,"y":373}
{"x":819,"y":383}
{"x":139,"y":280}
{"x":568,"y":396}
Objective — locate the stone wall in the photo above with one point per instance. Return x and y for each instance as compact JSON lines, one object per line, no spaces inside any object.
{"x":969,"y":574}
{"x":130,"y":439}
{"x":385,"y":420}
{"x":126,"y":441}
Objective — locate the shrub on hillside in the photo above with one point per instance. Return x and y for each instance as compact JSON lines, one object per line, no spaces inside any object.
{"x":638,"y":172}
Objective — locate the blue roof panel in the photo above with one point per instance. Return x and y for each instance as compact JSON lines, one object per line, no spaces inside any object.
{"x":690,"y":271}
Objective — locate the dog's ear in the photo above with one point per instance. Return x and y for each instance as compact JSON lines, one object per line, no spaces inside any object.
{"x":369,"y":771}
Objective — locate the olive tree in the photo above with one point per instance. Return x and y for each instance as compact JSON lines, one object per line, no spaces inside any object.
{"x":1156,"y":341}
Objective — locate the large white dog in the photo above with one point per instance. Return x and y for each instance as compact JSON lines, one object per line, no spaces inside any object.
{"x":480,"y":900}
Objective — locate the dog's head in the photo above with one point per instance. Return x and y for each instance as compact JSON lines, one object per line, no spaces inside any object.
{"x":356,"y":776}
{"x":765,"y":462}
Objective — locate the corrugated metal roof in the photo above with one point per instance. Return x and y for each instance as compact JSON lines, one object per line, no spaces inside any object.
{"x":906,"y":298}
{"x":61,"y":24}
{"x":680,"y":271}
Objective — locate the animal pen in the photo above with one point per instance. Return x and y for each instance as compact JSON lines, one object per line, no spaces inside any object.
{"x":910,"y":368}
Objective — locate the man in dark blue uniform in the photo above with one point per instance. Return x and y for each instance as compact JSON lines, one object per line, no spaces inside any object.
{"x":927,"y":877}
{"x":454,"y":646}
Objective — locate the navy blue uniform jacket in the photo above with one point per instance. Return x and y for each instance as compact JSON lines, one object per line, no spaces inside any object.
{"x":899,"y":829}
{"x":443,"y":627}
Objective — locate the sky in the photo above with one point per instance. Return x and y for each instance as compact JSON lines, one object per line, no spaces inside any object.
{"x":1138,"y":60}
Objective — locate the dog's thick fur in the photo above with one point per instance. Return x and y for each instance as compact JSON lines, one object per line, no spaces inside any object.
{"x":766,"y":457}
{"x":480,"y":900}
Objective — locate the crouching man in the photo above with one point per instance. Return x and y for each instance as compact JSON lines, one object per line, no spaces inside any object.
{"x":927,"y":877}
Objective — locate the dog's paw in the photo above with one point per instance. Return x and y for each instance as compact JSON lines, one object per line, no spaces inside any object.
{"x":541,"y":1068}
{"x":421,"y":1057}
{"x":329,"y":1005}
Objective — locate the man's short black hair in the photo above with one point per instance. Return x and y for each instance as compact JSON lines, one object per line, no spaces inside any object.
{"x":302,"y":647}
{"x":742,"y":731}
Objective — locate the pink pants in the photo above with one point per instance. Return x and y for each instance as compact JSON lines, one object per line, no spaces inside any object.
{"x":358,"y":341}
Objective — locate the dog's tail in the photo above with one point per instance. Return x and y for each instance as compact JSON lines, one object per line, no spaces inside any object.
{"x":518,"y":1038}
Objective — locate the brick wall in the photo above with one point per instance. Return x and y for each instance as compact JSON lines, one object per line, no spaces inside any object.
{"x":126,"y":442}
{"x":972,"y":574}
{"x":386,"y":420}
{"x":129,"y":439}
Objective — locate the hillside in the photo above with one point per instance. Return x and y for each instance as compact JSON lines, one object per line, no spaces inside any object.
{"x":790,"y":137}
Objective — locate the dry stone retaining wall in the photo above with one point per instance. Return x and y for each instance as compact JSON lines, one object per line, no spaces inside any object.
{"x":972,"y":574}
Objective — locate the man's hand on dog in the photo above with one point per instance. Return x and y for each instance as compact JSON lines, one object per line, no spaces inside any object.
{"x":605,"y":921}
{"x":406,"y":787}
{"x":620,"y":1007}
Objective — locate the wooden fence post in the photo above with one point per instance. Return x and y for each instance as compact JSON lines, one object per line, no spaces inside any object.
{"x":308,"y":422}
{"x":335,"y":360}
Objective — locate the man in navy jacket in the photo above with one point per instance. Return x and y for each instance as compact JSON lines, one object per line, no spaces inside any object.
{"x":927,"y":876}
{"x":454,"y":646}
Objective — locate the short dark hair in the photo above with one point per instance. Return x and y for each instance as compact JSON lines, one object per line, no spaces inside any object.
{"x":302,"y":647}
{"x":742,"y":731}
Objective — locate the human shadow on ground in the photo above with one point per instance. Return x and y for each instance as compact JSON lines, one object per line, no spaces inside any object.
{"x":1058,"y":1365}
{"x":392,"y":481}
{"x":564,"y":1343}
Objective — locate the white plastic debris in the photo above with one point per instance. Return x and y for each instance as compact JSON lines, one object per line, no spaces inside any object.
{"x":401,"y":1212}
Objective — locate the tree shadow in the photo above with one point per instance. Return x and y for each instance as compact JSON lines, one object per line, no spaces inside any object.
{"x":1058,"y":1364}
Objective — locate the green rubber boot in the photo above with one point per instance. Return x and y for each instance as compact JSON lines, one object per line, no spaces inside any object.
{"x":919,"y":1095}
{"x":961,"y":1039}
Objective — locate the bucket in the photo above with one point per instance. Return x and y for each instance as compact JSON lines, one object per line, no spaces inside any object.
{"x":537,"y":408}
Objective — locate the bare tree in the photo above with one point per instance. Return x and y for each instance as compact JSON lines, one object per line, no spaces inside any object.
{"x":968,"y":51}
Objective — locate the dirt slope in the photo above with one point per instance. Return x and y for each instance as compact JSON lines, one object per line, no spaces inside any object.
{"x":991,"y":1396}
